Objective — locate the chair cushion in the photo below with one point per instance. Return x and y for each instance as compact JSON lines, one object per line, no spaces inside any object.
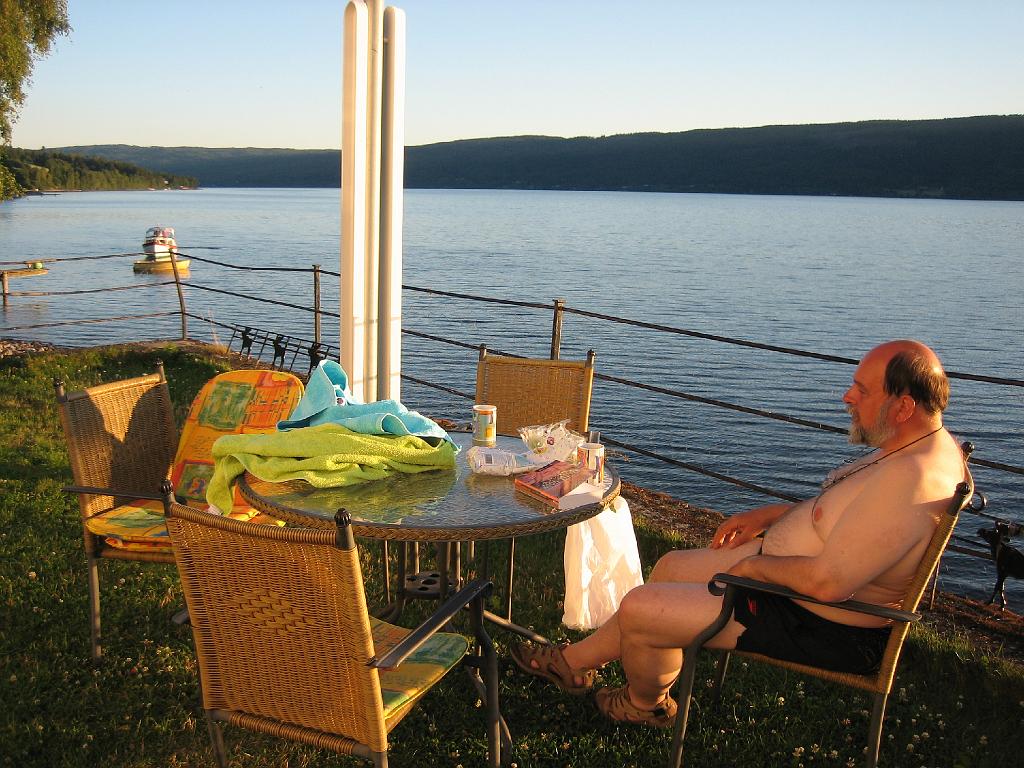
{"x":235,"y":402}
{"x":402,"y":686}
{"x":139,"y":525}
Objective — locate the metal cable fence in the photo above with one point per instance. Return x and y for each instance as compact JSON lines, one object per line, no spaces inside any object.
{"x":292,"y":351}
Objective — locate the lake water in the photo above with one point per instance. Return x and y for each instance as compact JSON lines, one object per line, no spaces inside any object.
{"x":832,"y":275}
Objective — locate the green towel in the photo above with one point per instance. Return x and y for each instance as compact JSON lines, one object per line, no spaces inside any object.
{"x":325,"y":456}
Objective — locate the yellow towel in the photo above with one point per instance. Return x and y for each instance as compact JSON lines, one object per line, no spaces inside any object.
{"x":325,"y":456}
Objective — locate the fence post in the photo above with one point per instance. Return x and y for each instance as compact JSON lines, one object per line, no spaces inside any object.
{"x":556,"y":329}
{"x":181,"y":296}
{"x":6,"y":286}
{"x":316,"y":303}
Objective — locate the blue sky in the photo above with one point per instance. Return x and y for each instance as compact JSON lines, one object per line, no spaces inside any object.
{"x":267,"y":74}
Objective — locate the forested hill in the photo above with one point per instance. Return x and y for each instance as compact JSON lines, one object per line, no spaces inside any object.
{"x":972,"y":157}
{"x":231,"y":167}
{"x":48,"y":170}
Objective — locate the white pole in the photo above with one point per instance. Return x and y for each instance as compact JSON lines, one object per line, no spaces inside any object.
{"x":353,"y":196}
{"x":374,"y":66}
{"x":389,"y":381}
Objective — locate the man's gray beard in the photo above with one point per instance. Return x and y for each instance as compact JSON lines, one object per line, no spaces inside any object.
{"x":875,"y":435}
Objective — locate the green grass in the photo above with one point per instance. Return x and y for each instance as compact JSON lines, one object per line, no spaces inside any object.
{"x":952,"y":705}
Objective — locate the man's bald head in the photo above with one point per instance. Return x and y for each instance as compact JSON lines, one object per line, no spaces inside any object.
{"x":912,"y":368}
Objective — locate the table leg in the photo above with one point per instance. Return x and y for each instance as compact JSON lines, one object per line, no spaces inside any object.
{"x":443,"y":553}
{"x":511,"y":626}
{"x":385,"y":556}
{"x":472,"y":669}
{"x":508,"y":582}
{"x":505,"y":622}
{"x":456,"y":566}
{"x":393,"y":608}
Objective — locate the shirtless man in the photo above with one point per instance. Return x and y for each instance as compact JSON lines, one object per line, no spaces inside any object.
{"x":862,"y":537}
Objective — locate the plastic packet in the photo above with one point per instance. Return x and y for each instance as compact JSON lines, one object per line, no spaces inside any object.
{"x":496,"y":461}
{"x":550,"y":442}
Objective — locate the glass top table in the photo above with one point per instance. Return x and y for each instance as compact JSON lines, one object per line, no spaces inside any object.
{"x":439,"y":505}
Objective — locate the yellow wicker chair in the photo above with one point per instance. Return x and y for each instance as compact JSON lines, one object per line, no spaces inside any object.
{"x":121,"y":439}
{"x":530,"y":391}
{"x":878,"y":684}
{"x":285,"y":644}
{"x":535,"y":390}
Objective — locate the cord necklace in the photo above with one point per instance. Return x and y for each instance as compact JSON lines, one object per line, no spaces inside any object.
{"x":832,"y":480}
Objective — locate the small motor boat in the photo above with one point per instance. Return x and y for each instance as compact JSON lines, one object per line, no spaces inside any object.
{"x":160,"y":248}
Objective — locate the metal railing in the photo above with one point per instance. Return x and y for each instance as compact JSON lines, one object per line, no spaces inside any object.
{"x":287,"y":350}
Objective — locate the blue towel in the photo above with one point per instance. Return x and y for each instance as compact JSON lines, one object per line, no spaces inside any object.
{"x":328,"y":400}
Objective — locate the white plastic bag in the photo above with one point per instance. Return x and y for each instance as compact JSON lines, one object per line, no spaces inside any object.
{"x":601,"y":565}
{"x":550,"y":442}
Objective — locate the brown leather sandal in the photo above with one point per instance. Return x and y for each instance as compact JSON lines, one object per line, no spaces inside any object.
{"x":614,"y":703}
{"x":552,"y":666}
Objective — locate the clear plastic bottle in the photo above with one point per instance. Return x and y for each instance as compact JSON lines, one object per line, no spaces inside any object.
{"x":492,"y":461}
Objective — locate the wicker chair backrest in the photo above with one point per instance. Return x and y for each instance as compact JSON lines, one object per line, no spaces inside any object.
{"x":531,"y":391}
{"x":120,"y":435}
{"x":280,"y":624}
{"x":912,"y":597}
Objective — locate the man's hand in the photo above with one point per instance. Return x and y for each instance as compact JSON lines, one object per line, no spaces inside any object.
{"x":736,"y":530}
{"x":745,"y":526}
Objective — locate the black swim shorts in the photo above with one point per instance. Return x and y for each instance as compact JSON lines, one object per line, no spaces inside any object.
{"x":778,"y":627}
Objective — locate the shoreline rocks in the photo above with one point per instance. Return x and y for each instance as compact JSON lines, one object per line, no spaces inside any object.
{"x":9,"y":347}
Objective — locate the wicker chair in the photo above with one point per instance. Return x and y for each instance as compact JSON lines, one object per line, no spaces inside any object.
{"x":121,"y":436}
{"x":877,"y":684}
{"x":285,"y":644}
{"x":121,"y":439}
{"x":533,"y":391}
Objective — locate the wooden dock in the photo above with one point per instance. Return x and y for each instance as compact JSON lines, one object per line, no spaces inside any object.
{"x":27,"y":271}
